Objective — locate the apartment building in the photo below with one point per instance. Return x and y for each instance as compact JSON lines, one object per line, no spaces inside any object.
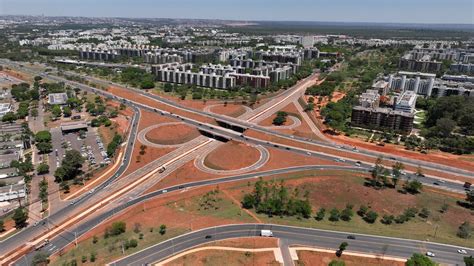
{"x":420,"y":83}
{"x":382,"y":118}
{"x":181,"y":74}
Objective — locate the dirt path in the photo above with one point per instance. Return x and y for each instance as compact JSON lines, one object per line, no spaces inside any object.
{"x":240,"y":206}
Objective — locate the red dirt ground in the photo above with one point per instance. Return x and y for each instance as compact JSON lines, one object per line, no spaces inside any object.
{"x":150,"y":102}
{"x":343,"y":153}
{"x":278,"y":159}
{"x":147,"y":119}
{"x":308,"y":258}
{"x":172,"y":134}
{"x":232,"y":155}
{"x":301,"y":131}
{"x":162,"y":210}
{"x":267,"y":122}
{"x":16,"y":74}
{"x":225,"y":257}
{"x":232,"y":110}
{"x":433,"y":156}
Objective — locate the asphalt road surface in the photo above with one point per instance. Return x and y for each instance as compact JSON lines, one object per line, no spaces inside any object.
{"x":69,"y":236}
{"x":374,"y":245}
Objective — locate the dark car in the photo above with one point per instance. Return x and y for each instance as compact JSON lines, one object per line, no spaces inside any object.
{"x":351,"y":237}
{"x":208,"y":236}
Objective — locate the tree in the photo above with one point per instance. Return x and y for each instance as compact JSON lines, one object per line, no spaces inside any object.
{"x":419,"y":260}
{"x":413,"y":186}
{"x":43,"y":136}
{"x":397,"y":169}
{"x":370,"y":217}
{"x":362,"y":210}
{"x":465,"y":230}
{"x":9,"y":117}
{"x":470,"y":197}
{"x":20,"y":216}
{"x":42,"y":169}
{"x":2,"y":226}
{"x":118,"y":228}
{"x":387,"y":219}
{"x":40,"y":259}
{"x":347,"y":213}
{"x":343,"y":246}
{"x":67,"y":111}
{"x":56,"y":110}
{"x":248,"y":201}
{"x":70,"y":167}
{"x":334,"y":215}
{"x":320,"y":214}
{"x":162,"y":229}
{"x":44,"y":147}
{"x":469,"y":261}
{"x":444,"y":126}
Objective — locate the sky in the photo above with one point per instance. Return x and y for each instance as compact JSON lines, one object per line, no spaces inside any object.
{"x":387,"y":11}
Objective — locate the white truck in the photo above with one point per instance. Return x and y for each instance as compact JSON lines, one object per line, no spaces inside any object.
{"x":266,"y":233}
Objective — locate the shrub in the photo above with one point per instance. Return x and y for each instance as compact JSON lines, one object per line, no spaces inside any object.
{"x":370,"y":217}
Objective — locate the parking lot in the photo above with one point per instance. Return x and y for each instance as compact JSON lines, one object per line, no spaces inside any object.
{"x":88,"y":144}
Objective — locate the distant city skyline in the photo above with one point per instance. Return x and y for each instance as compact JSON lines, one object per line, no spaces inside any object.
{"x":384,"y":11}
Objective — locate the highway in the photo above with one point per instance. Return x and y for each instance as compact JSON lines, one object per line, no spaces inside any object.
{"x":288,"y":93}
{"x":369,"y":244}
{"x":31,"y":232}
{"x":288,"y":97}
{"x":67,"y":237}
{"x":213,"y":130}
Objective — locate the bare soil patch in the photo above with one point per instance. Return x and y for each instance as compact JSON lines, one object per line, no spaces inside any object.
{"x":231,"y":156}
{"x":322,"y":258}
{"x":232,"y":110}
{"x":225,"y":257}
{"x":172,"y":134}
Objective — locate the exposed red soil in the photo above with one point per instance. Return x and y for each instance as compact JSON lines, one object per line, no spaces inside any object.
{"x":225,"y":257}
{"x":323,"y":258}
{"x":278,"y":159}
{"x":232,"y":110}
{"x":344,"y":153}
{"x":433,"y":156}
{"x":172,"y":134}
{"x":267,"y":122}
{"x":162,"y":210}
{"x":232,"y":155}
{"x":16,"y":74}
{"x":147,"y":119}
{"x":281,"y":159}
{"x":247,"y":242}
{"x":150,"y":102}
{"x":301,"y":131}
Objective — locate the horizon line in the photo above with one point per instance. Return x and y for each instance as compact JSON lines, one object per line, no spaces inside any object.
{"x":244,"y":20}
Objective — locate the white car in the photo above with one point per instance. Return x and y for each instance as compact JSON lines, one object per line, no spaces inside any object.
{"x":430,"y":254}
{"x":462,"y":251}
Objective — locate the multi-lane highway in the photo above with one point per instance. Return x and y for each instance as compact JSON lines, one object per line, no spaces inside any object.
{"x":65,"y":236}
{"x":373,"y":245}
